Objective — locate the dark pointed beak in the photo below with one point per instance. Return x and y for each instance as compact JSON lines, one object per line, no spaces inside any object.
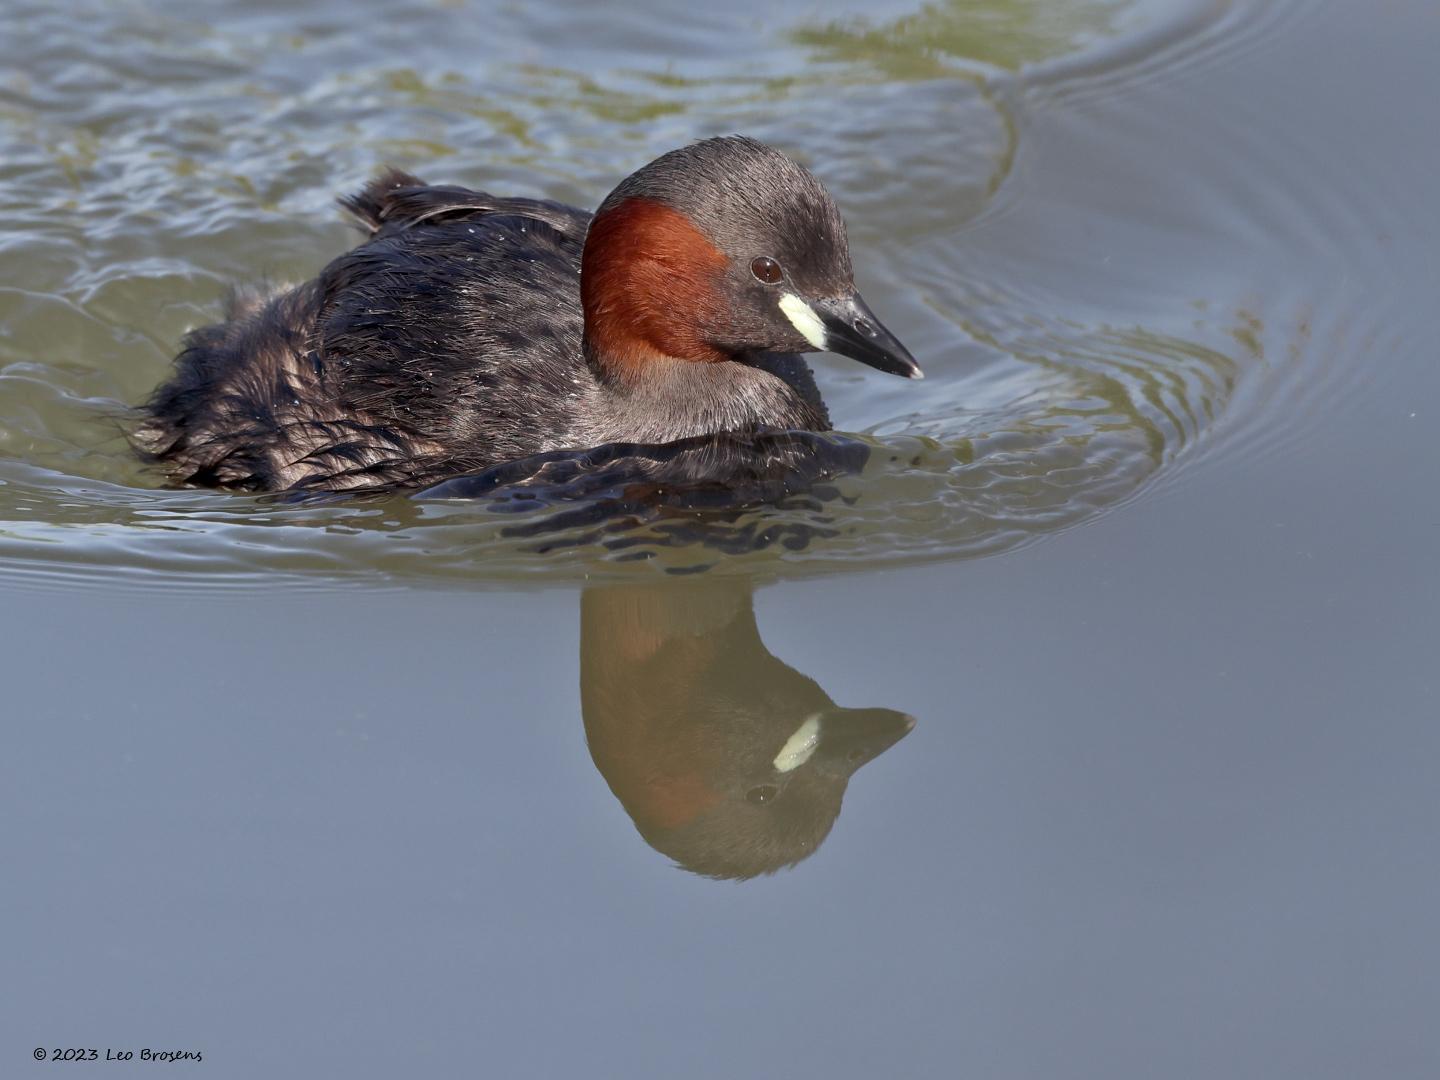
{"x":851,"y":329}
{"x":851,"y":737}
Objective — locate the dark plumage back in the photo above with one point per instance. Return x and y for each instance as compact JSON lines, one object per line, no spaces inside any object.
{"x":374,"y":374}
{"x":396,"y":200}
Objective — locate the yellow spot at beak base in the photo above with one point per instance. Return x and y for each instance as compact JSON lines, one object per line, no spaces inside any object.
{"x":804,"y":319}
{"x":800,"y":746}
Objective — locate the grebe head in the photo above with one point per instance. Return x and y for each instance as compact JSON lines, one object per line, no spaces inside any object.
{"x":720,"y":249}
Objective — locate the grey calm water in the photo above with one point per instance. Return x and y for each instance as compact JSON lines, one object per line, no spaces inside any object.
{"x":1122,"y":653}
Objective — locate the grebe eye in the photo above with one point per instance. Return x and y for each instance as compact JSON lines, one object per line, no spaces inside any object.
{"x":766,"y":269}
{"x":762,"y":794}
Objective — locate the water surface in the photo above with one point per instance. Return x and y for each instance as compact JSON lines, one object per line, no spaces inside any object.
{"x":220,"y":159}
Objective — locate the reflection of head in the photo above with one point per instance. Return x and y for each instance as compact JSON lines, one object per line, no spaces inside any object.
{"x":729,"y":761}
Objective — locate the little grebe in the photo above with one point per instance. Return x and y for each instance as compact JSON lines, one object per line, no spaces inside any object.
{"x":469,"y":331}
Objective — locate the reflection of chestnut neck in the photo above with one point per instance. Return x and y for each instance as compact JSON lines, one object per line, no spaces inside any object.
{"x":649,"y":284}
{"x":649,"y":654}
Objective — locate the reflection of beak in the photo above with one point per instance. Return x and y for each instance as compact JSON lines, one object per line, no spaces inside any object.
{"x":851,"y":329}
{"x":851,"y":737}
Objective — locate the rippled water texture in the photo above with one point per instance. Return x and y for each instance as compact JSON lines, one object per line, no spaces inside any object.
{"x":1018,"y":249}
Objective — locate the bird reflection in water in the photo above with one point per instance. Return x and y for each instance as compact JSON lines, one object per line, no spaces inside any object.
{"x":728,"y":760}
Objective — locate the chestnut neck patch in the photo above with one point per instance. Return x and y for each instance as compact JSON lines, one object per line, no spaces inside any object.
{"x":650,"y":284}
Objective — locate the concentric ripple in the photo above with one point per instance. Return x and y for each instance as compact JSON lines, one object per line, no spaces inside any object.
{"x":1095,"y":414}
